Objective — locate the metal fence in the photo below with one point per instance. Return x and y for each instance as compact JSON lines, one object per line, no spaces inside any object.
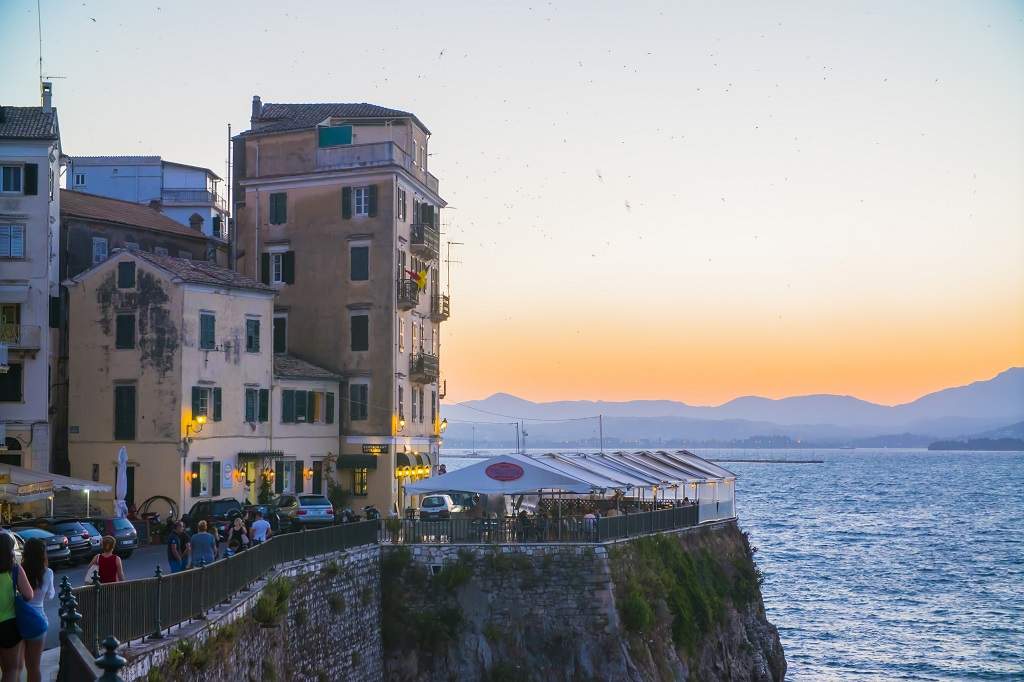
{"x":534,"y":529}
{"x":139,"y":608}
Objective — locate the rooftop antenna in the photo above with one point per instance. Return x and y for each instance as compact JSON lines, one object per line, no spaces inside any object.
{"x":39,"y":20}
{"x":448,"y":263}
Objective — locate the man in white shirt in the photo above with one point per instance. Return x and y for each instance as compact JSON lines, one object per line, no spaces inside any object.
{"x":260,"y":529}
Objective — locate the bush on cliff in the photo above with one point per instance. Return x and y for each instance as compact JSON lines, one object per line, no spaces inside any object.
{"x":636,"y":613}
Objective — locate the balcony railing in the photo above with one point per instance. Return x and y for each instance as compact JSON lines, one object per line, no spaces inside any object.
{"x":423,"y":240}
{"x":193,"y":196}
{"x":20,"y":336}
{"x":408,"y":294}
{"x":369,"y":156}
{"x":424,"y":368}
{"x":439,"y":308}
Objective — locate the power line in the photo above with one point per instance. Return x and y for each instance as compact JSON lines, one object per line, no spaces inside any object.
{"x":527,"y":419}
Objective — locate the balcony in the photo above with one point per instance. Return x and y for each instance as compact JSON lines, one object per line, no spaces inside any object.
{"x":20,"y":336}
{"x":439,"y":308}
{"x":424,"y":368}
{"x":423,"y":241}
{"x":371,"y":155}
{"x":193,"y":196}
{"x":408,"y":294}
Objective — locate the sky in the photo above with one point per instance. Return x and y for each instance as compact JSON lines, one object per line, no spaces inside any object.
{"x":654,"y":200}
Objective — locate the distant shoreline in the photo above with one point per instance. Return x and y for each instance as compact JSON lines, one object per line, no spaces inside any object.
{"x":979,"y":444}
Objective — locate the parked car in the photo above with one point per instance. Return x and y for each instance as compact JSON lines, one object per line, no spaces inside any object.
{"x":269,"y":512}
{"x":79,"y":538}
{"x":57,"y":551}
{"x":19,"y":544}
{"x":95,"y":536}
{"x":304,"y":511}
{"x":217,"y":513}
{"x":434,"y":507}
{"x":121,"y":530}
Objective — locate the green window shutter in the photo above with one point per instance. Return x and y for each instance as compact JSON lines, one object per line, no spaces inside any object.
{"x":279,"y":477}
{"x":310,"y":405}
{"x":333,"y":136}
{"x":265,"y":268}
{"x":329,"y":408}
{"x":195,"y":479}
{"x":252,"y":336}
{"x":371,"y":198}
{"x":318,"y":478}
{"x":264,"y":404}
{"x":278,"y":208}
{"x":207,"y":331}
{"x":288,"y":267}
{"x":126,"y":275}
{"x":216,"y":404}
{"x":31,"y":179}
{"x":124,"y":413}
{"x":287,"y":406}
{"x":196,"y":402}
{"x":360,"y":332}
{"x":300,"y":479}
{"x":125,"y":336}
{"x":250,"y":404}
{"x":280,"y":334}
{"x":416,"y":211}
{"x":346,"y":202}
{"x":215,"y":483}
{"x":359,"y":257}
{"x":300,"y":406}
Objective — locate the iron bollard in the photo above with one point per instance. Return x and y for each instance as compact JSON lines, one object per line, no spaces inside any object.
{"x":96,"y":612}
{"x":157,"y":629}
{"x":110,"y":662}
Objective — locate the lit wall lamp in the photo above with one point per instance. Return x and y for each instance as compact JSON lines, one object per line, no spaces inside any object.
{"x":307,"y":473}
{"x":444,"y":424}
{"x":401,"y":423}
{"x":195,"y":427}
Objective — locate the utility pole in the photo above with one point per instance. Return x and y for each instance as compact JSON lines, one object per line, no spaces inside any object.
{"x":600,"y":430}
{"x":448,"y":264}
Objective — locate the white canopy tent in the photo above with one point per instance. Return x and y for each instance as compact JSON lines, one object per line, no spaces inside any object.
{"x":19,"y":485}
{"x":504,"y":475}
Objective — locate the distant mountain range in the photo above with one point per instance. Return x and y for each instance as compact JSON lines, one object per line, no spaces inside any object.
{"x":980,"y":409}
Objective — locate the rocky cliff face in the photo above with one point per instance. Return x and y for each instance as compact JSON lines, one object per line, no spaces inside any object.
{"x":680,"y":606}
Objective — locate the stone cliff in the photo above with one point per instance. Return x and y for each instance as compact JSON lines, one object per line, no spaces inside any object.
{"x":675,"y":606}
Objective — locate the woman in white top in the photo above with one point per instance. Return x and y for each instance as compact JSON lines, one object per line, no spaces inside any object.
{"x":40,"y":577}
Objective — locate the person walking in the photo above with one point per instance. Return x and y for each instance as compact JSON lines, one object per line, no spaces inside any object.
{"x":238,"y":536}
{"x":178,"y":548}
{"x":12,"y":578}
{"x":107,"y":563}
{"x":40,"y":577}
{"x":204,"y":546}
{"x":260,"y":529}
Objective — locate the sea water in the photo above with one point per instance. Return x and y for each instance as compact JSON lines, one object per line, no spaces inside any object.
{"x":887,"y":564}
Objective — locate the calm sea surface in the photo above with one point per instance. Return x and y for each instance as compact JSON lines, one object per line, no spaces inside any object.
{"x":888,"y":564}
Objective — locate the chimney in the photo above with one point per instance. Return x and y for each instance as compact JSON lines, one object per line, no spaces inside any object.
{"x":156,"y":204}
{"x":196,"y":222}
{"x":47,"y":94}
{"x":257,"y":109}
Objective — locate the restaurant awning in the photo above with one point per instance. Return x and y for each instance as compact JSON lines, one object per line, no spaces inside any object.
{"x":506,"y":475}
{"x":18,"y":484}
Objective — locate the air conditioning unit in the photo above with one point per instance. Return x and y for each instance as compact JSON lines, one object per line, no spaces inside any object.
{"x":3,"y":358}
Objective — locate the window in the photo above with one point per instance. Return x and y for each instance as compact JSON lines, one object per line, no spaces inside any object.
{"x":79,"y":179}
{"x":401,"y":403}
{"x":329,"y":407}
{"x":11,"y":178}
{"x":307,"y":406}
{"x":277,"y":268}
{"x":359,"y":401}
{"x":359,"y":482}
{"x":415,"y":153}
{"x":131,"y":246}
{"x":401,"y":334}
{"x":124,"y":412}
{"x":278,"y":208}
{"x":360,"y":325}
{"x":207,"y":337}
{"x":422,"y":394}
{"x":218,"y":224}
{"x":433,"y":407}
{"x":401,"y":205}
{"x":415,"y":335}
{"x":206,"y":482}
{"x":360,"y":260}
{"x":252,"y":336}
{"x":362,"y":200}
{"x":125,"y":337}
{"x":187,"y":255}
{"x":415,"y":403}
{"x":99,"y":250}
{"x":257,"y":404}
{"x":280,"y":334}
{"x":206,"y":402}
{"x":333,"y":136}
{"x":160,"y":251}
{"x":12,"y":241}
{"x":11,"y":390}
{"x":126,"y":275}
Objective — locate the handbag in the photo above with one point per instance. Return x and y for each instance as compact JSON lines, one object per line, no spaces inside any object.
{"x":31,"y":623}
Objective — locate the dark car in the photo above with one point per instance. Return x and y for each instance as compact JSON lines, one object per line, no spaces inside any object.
{"x":304,"y":511}
{"x":79,"y":538}
{"x":269,"y":512}
{"x":57,"y":551}
{"x":121,"y":530}
{"x":217,"y":513}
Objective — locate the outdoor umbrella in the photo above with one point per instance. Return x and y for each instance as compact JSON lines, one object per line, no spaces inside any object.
{"x":121,"y":487}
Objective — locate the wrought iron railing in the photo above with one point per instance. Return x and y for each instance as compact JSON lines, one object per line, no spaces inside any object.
{"x":424,"y":367}
{"x":192,"y":196}
{"x":439,"y":308}
{"x":424,"y":240}
{"x":408,"y":293}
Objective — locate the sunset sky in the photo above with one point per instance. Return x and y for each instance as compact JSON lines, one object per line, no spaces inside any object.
{"x":656,"y":200}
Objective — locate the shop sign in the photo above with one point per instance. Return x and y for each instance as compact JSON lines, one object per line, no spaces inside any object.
{"x":504,"y":471}
{"x":375,"y":448}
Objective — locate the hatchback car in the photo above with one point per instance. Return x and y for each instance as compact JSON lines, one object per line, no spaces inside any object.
{"x":304,"y":511}
{"x":121,"y":530}
{"x":217,"y":513}
{"x":79,"y":538}
{"x":438,"y":507}
{"x":57,"y":551}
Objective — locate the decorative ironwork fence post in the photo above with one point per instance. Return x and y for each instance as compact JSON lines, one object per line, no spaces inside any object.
{"x":110,"y":662}
{"x":96,"y":612}
{"x":157,"y":629}
{"x":202,"y":590}
{"x":65,"y":596}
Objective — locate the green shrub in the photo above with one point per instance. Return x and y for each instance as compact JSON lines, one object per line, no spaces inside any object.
{"x":331,"y":570}
{"x":635,"y":612}
{"x":502,"y":671}
{"x":273,"y":602}
{"x":493,"y":633}
{"x":336,"y":603}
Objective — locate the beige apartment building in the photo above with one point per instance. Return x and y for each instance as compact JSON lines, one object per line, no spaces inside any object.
{"x":336,"y":210}
{"x":172,"y":359}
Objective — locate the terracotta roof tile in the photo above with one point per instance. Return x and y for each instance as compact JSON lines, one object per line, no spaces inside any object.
{"x":93,"y":207}
{"x":201,"y":272}
{"x":281,"y":117}
{"x":291,"y":367}
{"x":28,"y":123}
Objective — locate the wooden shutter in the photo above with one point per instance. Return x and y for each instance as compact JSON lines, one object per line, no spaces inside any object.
{"x":278,"y":208}
{"x":215,"y":483}
{"x":280,"y":334}
{"x":360,"y":332}
{"x":265,"y":268}
{"x":371,"y":198}
{"x":31,"y":179}
{"x":310,"y":406}
{"x":250,"y":404}
{"x":196,"y":485}
{"x":207,"y":336}
{"x":318,"y":478}
{"x":346,"y":202}
{"x":300,"y":479}
{"x":124,"y":413}
{"x":196,"y":399}
{"x":125,"y":336}
{"x":216,"y":403}
{"x":279,"y":477}
{"x":288,"y":267}
{"x":300,"y":406}
{"x":264,"y":404}
{"x":329,"y":408}
{"x":287,"y":406}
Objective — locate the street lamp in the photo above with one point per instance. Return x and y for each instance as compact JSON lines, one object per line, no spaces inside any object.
{"x":195,"y":427}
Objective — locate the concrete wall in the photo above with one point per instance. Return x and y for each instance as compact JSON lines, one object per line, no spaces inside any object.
{"x":139,"y":183}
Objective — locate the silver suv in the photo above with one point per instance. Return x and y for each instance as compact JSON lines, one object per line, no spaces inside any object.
{"x":438,"y":507}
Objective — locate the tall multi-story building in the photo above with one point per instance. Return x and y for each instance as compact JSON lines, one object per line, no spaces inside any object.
{"x":336,"y":209}
{"x":30,"y":156}
{"x":190,"y":195}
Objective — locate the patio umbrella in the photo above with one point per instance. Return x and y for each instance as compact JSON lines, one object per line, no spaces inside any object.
{"x":121,"y":486}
